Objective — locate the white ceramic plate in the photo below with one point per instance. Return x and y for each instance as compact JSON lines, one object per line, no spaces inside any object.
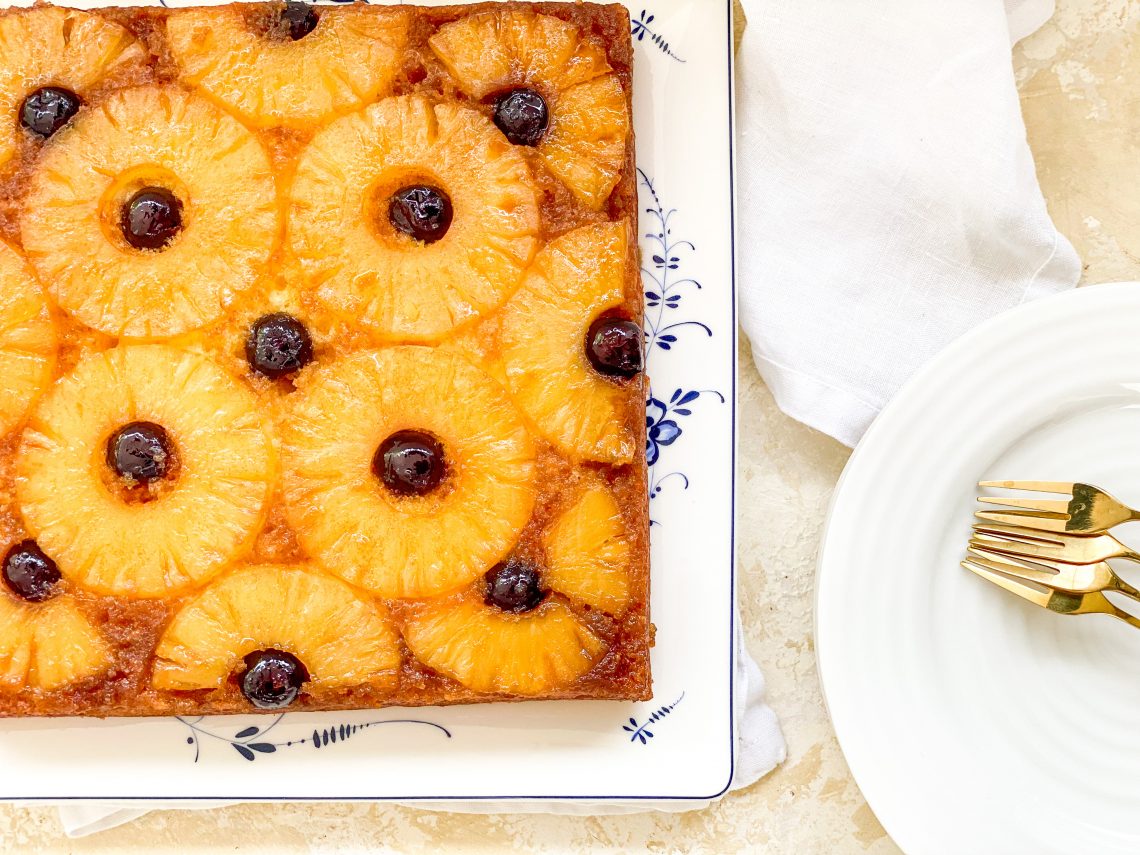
{"x":679,"y":746}
{"x":972,"y":720}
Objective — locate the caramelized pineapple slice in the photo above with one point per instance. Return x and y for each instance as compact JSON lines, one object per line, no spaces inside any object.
{"x":411,"y":268}
{"x":47,"y":646}
{"x":587,"y":549}
{"x":585,"y":145}
{"x":488,"y":649}
{"x":144,"y":532}
{"x":149,"y":214}
{"x":291,"y":67}
{"x":70,"y":51}
{"x":407,"y":470}
{"x":27,"y":339}
{"x":587,"y":117}
{"x":65,"y":648}
{"x":574,"y":279}
{"x":341,"y":638}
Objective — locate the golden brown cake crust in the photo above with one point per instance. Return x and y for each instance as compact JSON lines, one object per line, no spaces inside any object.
{"x":133,"y":627}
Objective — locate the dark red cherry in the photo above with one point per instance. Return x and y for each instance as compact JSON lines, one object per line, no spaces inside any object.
{"x":278,"y":345}
{"x":613,"y":346}
{"x":272,"y":678}
{"x":422,"y":211}
{"x":48,"y":109}
{"x":299,"y":18}
{"x":522,"y":116}
{"x":140,"y":451}
{"x":151,"y":218}
{"x":514,"y":586}
{"x":410,"y":462}
{"x":29,"y":573}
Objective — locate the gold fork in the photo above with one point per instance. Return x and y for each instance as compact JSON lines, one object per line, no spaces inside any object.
{"x":1059,"y":546}
{"x":1070,"y":578}
{"x":1085,"y":509}
{"x":1061,"y":602}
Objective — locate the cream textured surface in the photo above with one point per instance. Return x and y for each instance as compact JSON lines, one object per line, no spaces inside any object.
{"x":1076,"y":76}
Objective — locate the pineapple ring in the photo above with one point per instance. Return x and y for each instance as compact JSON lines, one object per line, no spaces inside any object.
{"x":27,"y":339}
{"x":364,"y":270}
{"x":47,"y":646}
{"x":489,"y":650}
{"x":349,"y":60}
{"x":208,"y":517}
{"x":587,"y":551}
{"x":406,"y":546}
{"x":573,"y":279}
{"x":585,"y":143}
{"x":163,"y":137}
{"x":342,"y":639}
{"x":61,"y":47}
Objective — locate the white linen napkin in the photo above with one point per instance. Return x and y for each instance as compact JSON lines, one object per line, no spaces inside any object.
{"x":888,"y":200}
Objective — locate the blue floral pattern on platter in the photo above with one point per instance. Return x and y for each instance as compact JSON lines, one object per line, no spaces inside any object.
{"x":640,"y":29}
{"x":641,"y":732}
{"x":250,"y":742}
{"x":666,"y":288}
{"x":662,"y":430}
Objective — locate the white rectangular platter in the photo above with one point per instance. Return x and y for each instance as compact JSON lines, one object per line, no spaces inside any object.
{"x":677,"y":747}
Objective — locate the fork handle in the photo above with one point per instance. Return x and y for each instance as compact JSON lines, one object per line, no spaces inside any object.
{"x":1124,"y":616}
{"x":1123,"y":587}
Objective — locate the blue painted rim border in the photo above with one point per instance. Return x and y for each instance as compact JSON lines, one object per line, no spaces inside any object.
{"x":731,"y":54}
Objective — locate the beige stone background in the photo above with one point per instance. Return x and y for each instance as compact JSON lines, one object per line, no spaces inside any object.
{"x":1078,"y":79}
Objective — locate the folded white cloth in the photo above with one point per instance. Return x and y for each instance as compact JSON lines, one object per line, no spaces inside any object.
{"x":760,"y":748}
{"x":888,"y":200}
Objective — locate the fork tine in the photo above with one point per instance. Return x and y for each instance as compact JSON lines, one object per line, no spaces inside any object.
{"x":1045,"y":522}
{"x":1019,"y":533}
{"x":1027,"y":548}
{"x":1032,"y":486}
{"x":1015,"y":564}
{"x":1049,"y":506}
{"x":1026,"y":592}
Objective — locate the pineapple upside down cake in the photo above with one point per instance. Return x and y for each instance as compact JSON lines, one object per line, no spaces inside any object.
{"x":321,"y":378}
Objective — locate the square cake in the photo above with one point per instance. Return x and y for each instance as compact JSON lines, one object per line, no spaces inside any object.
{"x":321,"y":362}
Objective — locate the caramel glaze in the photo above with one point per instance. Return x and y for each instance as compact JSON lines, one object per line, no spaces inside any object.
{"x":132,"y":627}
